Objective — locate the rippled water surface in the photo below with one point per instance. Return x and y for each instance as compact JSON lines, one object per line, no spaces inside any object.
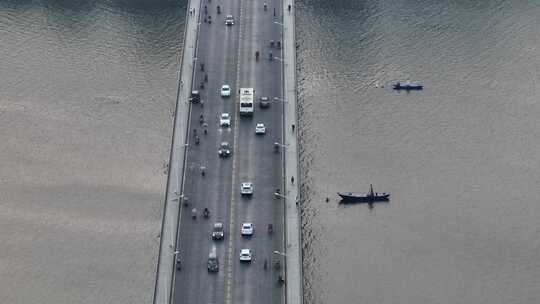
{"x":87,"y":89}
{"x":460,"y":158}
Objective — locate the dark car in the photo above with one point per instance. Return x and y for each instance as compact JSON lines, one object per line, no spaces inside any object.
{"x":213,"y":263}
{"x":195,"y":97}
{"x":224,"y":149}
{"x":229,"y":20}
{"x":264,"y":102}
{"x":217,"y":232}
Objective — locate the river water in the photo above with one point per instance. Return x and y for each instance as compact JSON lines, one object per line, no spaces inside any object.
{"x":460,"y":158}
{"x":87,"y":89}
{"x":86,"y":94}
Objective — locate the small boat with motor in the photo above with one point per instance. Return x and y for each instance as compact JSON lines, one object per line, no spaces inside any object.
{"x":370,"y":196}
{"x":407,"y":85}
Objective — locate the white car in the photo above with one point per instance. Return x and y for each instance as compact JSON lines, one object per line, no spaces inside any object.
{"x":225,"y":90}
{"x":260,"y":129}
{"x":225,"y":120}
{"x":247,"y":229}
{"x":229,"y":20}
{"x":247,"y":189}
{"x":245,"y":255}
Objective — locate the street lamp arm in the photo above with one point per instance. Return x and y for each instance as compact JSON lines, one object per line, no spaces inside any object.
{"x":279,"y":253}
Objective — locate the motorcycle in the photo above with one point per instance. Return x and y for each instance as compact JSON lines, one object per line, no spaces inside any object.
{"x":270,"y":228}
{"x":206,"y":213}
{"x":205,"y":128}
{"x":209,"y":19}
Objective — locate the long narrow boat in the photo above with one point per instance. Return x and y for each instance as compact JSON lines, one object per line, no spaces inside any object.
{"x":408,"y":86}
{"x":365,"y":196}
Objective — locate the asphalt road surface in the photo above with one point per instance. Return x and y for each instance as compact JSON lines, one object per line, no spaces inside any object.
{"x":228,"y":55}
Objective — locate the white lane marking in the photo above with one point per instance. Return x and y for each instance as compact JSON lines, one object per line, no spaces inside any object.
{"x":228,"y":289}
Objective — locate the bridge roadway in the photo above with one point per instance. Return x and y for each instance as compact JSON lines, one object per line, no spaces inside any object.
{"x":228,"y":55}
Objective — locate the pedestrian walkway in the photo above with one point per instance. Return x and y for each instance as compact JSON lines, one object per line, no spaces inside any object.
{"x":174,"y":197}
{"x":293,"y":235}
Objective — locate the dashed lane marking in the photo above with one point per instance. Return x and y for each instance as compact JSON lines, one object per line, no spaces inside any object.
{"x":228,"y":289}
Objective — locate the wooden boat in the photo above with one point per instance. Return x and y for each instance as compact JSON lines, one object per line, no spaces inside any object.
{"x":370,"y":196}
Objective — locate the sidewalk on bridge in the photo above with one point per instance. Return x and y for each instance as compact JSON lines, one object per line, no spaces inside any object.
{"x":293,"y":236}
{"x":173,"y":198}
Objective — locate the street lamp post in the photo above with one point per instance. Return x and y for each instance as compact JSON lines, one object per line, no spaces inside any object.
{"x":277,"y":262}
{"x":277,"y":145}
{"x":279,"y":195}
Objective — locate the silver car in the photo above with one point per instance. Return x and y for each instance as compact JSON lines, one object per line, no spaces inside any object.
{"x":246,"y":189}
